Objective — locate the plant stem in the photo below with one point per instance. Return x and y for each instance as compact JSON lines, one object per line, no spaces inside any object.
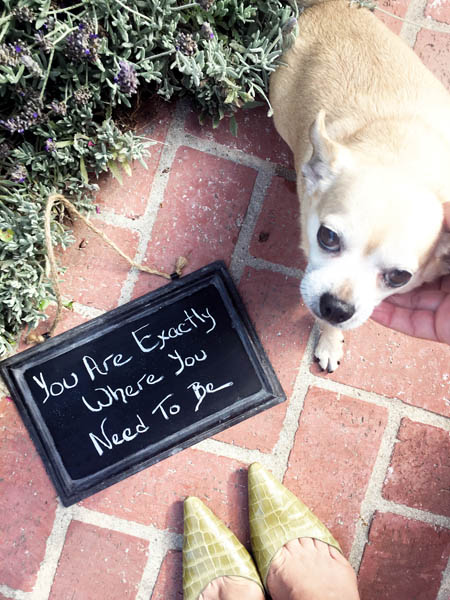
{"x":5,"y":18}
{"x":59,"y":10}
{"x":61,"y":37}
{"x":161,"y":54}
{"x":47,"y":74}
{"x":5,"y":29}
{"x":131,"y":10}
{"x":191,"y":5}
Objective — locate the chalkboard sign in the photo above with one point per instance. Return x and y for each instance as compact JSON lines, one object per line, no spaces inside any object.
{"x":136,"y":385}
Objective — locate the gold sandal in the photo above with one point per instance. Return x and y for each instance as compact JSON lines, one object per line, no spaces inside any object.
{"x":210,"y":550}
{"x":277,"y":517}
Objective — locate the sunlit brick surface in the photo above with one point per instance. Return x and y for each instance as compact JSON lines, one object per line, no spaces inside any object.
{"x":366,"y":447}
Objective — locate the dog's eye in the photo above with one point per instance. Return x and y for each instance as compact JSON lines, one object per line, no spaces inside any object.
{"x":328,"y":239}
{"x":396,"y":278}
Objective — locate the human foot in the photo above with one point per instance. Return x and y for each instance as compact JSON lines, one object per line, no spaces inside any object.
{"x":230,"y":588}
{"x":308,"y":569}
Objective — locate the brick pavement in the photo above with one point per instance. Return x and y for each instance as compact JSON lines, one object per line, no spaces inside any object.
{"x":366,"y":447}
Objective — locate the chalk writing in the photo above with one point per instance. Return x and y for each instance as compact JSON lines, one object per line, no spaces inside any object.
{"x":173,"y":410}
{"x":108,"y":441}
{"x":92,"y":367}
{"x":101,"y":370}
{"x":194,"y":318}
{"x":201,"y":391}
{"x":188,"y":361}
{"x":120,"y":393}
{"x":56,"y":388}
{"x":141,"y":382}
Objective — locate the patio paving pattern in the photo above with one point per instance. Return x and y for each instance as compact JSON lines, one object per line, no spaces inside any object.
{"x":367,"y":448}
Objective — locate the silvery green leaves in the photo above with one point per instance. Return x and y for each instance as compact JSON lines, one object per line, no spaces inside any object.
{"x":66,"y":69}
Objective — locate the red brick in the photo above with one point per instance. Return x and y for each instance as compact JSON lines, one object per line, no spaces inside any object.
{"x":169,"y":585}
{"x":256,"y":135}
{"x":155,"y":496}
{"x":99,"y":563}
{"x":283,"y":325}
{"x":95,"y":272}
{"x":383,"y":361}
{"x":204,"y":205}
{"x":277,"y":232}
{"x":396,"y":7}
{"x":439,"y":10}
{"x":403,"y":560}
{"x":27,"y":503}
{"x":130,"y":199}
{"x":419,"y":474}
{"x":332,"y":458}
{"x":434,"y":48}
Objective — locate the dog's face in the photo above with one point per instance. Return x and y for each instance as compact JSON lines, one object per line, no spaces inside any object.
{"x":372,"y":230}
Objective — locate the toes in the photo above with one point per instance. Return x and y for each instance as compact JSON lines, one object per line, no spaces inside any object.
{"x":322,"y":547}
{"x":329,"y":352}
{"x":307,"y":544}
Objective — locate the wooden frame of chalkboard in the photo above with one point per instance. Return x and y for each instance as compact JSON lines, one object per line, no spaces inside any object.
{"x":142,"y":382}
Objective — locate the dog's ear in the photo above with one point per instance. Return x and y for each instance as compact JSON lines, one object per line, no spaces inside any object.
{"x":440,"y":262}
{"x":443,"y":252}
{"x":327,"y":157}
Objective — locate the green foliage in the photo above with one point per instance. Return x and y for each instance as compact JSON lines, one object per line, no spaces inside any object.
{"x":66,"y":66}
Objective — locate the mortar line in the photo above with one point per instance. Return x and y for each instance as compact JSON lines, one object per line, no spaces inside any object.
{"x":259,"y":192}
{"x":157,"y":192}
{"x":415,"y":413}
{"x":373,"y":494}
{"x":290,"y":426}
{"x":160,"y":541}
{"x":415,"y":17}
{"x":14,"y":594}
{"x":444,"y":590}
{"x":156,"y":555}
{"x":261,"y":264}
{"x":232,"y":451}
{"x":416,"y":514}
{"x":53,"y":549}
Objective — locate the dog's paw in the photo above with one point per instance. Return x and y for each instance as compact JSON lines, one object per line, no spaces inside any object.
{"x":329,"y":350}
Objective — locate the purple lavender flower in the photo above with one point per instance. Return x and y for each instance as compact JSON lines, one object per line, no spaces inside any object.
{"x":186,"y":44}
{"x":127,"y":78}
{"x":43,"y":43}
{"x":59,"y":108}
{"x":23,"y":14}
{"x":18,"y":174}
{"x":50,"y":145}
{"x":29,"y":115}
{"x":82,"y":44}
{"x":206,"y":31}
{"x":82,"y":95}
{"x":206,"y":4}
{"x":4,"y":150}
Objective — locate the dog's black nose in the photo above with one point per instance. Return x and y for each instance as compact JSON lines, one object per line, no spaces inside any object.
{"x":334,"y":310}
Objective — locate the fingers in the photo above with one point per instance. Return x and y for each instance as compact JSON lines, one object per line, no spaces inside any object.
{"x":418,"y":323}
{"x":420,"y":299}
{"x":447,"y":214}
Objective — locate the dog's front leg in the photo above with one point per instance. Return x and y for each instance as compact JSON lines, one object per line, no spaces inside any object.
{"x":329,"y":349}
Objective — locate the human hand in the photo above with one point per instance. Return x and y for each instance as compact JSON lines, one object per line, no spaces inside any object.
{"x":423,"y":312}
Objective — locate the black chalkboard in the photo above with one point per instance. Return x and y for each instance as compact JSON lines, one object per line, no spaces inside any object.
{"x":136,"y":385}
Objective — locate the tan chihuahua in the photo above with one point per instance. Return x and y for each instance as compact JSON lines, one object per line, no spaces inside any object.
{"x":369,"y":127}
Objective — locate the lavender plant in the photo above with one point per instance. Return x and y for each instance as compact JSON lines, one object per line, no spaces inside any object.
{"x":66,"y":67}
